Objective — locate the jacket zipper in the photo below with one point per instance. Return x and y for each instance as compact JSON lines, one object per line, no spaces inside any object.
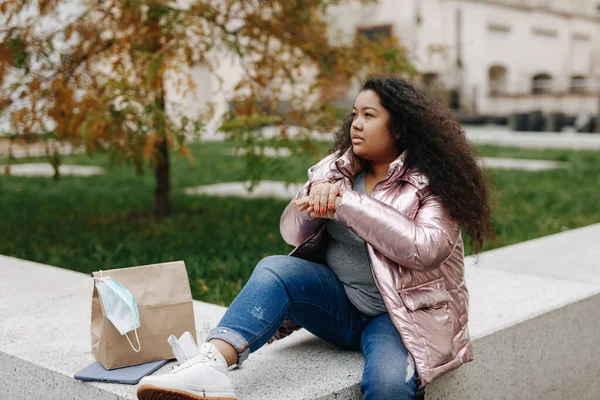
{"x":366,"y":244}
{"x":373,"y":272}
{"x":375,"y":277}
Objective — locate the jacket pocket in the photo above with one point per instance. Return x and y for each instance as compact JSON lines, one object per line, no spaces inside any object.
{"x":424,"y":297}
{"x":430,"y":308}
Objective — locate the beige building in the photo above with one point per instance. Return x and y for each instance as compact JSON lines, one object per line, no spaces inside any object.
{"x":496,"y":57}
{"x":482,"y":57}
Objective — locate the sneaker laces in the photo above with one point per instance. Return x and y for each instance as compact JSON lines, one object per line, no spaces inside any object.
{"x":201,"y":357}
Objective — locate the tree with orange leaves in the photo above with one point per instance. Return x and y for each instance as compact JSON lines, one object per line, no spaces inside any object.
{"x":98,"y":78}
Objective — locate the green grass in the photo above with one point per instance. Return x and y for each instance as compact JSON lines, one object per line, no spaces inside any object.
{"x":104,"y":222}
{"x":528,"y":205}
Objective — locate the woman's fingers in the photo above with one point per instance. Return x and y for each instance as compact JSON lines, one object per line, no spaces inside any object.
{"x":315,"y":195}
{"x":324,"y":197}
{"x":303,"y":207}
{"x":333,"y":193}
{"x":302,"y":203}
{"x":322,"y":200}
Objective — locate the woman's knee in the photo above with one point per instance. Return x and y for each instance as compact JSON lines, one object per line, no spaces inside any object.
{"x":272,"y":263}
{"x":274,"y":267}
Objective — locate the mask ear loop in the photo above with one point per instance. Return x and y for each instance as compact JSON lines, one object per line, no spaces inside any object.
{"x":131,"y":344}
{"x":101,"y":279}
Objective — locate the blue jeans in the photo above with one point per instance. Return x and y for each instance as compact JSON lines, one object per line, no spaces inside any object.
{"x":284,"y":287}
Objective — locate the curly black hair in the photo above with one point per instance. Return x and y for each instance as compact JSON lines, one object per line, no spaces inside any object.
{"x":436,"y":144}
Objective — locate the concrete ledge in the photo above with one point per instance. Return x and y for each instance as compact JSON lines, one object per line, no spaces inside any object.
{"x":534,"y":311}
{"x":552,"y":357}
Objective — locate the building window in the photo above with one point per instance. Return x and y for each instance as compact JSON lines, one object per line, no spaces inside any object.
{"x":541,"y":84}
{"x":545,"y":32}
{"x":432,"y":84}
{"x":500,"y":28}
{"x":581,"y":37}
{"x":579,"y":84}
{"x":497,"y":79}
{"x":430,"y":80}
{"x":374,"y":33}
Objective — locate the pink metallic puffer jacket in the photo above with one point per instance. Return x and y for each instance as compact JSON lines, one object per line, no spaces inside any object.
{"x":416,"y":253}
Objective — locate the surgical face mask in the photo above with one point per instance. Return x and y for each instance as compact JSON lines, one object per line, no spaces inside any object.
{"x":119,"y":307}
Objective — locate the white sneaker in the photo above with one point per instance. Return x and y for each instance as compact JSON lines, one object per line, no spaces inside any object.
{"x":203,"y":377}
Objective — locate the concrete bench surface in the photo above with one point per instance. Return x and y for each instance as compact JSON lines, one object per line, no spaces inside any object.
{"x":533,"y":318}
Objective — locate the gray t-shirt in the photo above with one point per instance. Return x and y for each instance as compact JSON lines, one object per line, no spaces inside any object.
{"x":347,"y":257}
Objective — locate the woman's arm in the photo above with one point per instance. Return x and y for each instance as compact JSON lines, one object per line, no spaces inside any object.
{"x":296,"y":225}
{"x":420,"y":244}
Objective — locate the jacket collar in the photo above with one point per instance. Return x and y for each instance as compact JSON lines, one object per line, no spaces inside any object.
{"x":397,"y":171}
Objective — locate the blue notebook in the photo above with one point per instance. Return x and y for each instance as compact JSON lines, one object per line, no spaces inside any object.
{"x":128,"y":375}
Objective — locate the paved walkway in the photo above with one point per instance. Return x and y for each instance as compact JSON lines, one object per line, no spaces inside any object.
{"x":45,"y":169}
{"x":23,"y":150}
{"x":522,"y":164}
{"x":501,"y":136}
{"x":265,"y":189}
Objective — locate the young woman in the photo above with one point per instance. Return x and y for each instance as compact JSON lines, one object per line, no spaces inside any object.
{"x":378,"y":264}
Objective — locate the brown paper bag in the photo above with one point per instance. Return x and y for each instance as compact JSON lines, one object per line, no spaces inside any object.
{"x":164,"y":300}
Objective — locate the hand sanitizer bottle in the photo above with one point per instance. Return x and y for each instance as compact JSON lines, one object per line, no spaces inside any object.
{"x":205,"y":331}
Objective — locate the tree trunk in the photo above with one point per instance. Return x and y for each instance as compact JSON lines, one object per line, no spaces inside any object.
{"x":163,"y":181}
{"x":54,"y":160}
{"x":162,"y":195}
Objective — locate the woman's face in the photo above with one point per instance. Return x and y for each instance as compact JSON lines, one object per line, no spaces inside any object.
{"x":371,"y":139}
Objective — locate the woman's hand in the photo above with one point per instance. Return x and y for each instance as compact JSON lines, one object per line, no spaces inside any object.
{"x":322,"y":202}
{"x":322,"y":196}
{"x":303,"y":205}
